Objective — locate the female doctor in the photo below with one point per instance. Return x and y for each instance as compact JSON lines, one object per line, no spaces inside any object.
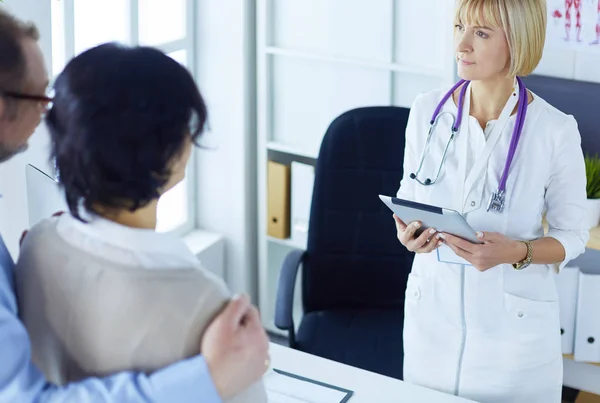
{"x":481,"y":318}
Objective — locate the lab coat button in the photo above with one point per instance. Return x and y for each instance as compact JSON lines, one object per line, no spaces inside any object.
{"x":473,"y":204}
{"x":520,"y":314}
{"x":416,"y":294}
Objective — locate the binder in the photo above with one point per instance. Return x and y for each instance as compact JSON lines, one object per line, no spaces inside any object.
{"x":587,"y":327}
{"x":303,"y":178}
{"x":585,"y":397}
{"x":278,"y":200}
{"x":567,"y":285}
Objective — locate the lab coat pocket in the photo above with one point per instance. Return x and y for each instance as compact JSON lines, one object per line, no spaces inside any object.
{"x":418,"y":326}
{"x":531,"y":332}
{"x":418,"y":288}
{"x":529,"y":316}
{"x":419,"y":307}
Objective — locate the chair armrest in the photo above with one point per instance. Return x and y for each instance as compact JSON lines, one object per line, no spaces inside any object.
{"x":284,"y":305}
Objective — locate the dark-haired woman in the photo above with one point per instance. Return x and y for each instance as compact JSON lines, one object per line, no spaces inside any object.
{"x":100,"y":289}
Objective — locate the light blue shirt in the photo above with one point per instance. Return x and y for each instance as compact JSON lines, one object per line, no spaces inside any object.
{"x":21,"y":381}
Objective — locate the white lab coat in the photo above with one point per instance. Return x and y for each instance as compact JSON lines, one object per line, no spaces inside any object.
{"x":493,"y":336}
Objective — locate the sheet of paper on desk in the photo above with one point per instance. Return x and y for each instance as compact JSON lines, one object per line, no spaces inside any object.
{"x":286,"y":389}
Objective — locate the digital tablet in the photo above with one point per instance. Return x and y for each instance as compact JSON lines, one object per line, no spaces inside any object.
{"x":442,"y":219}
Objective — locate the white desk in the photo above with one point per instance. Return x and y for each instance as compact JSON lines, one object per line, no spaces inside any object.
{"x":368,"y":387}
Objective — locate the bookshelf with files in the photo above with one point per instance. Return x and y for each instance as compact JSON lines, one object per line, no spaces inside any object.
{"x":315,"y":60}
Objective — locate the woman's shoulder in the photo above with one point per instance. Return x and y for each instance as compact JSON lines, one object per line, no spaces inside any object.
{"x":557,"y":129}
{"x":40,"y":234}
{"x":427,"y":101}
{"x":60,"y":240}
{"x":430,"y":98}
{"x":41,"y":258}
{"x":552,"y":117}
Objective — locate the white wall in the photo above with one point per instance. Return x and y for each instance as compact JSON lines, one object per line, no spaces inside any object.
{"x":569,"y":64}
{"x":13,"y":206}
{"x":329,"y":56}
{"x":226,"y":175}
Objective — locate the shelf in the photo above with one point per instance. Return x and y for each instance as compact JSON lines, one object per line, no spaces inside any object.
{"x":396,"y":67}
{"x":285,"y":242}
{"x":284,"y":148}
{"x":572,"y":358}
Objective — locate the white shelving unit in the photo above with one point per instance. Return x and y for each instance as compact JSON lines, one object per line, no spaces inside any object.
{"x":319,"y":58}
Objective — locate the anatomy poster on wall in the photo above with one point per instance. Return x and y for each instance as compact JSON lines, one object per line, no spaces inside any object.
{"x":574,"y":25}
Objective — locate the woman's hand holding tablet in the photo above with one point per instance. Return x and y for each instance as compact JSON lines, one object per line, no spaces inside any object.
{"x":425,"y":242}
{"x":429,"y":217}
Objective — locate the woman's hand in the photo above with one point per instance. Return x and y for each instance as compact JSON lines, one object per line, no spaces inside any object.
{"x":426,"y":242}
{"x":496,"y":249}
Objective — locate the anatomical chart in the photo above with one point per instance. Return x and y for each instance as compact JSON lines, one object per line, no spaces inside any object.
{"x":574,"y":25}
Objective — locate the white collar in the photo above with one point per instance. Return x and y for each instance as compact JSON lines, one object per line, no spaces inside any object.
{"x":167,"y":249}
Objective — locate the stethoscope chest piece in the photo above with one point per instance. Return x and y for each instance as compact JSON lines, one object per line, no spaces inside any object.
{"x":496,"y":202}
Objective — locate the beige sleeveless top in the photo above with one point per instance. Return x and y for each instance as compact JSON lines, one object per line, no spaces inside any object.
{"x":101,"y":298}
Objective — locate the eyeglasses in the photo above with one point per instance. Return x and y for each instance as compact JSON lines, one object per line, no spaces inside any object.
{"x":46,"y":100}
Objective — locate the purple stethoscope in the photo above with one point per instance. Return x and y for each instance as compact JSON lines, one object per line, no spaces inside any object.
{"x":496,"y":202}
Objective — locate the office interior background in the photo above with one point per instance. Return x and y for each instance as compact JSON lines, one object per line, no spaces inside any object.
{"x":275,"y":74}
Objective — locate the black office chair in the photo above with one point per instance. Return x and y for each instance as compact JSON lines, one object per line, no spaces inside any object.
{"x":354,"y":269}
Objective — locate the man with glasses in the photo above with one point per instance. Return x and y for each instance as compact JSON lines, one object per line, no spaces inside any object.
{"x":233,"y":347}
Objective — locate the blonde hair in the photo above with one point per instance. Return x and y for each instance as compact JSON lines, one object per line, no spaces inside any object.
{"x":523,"y":21}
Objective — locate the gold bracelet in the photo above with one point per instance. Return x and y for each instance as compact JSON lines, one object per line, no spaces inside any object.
{"x":527,"y":261}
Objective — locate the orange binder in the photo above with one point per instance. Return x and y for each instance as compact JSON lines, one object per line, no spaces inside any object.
{"x":278,"y":199}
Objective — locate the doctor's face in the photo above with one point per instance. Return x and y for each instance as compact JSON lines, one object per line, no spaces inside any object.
{"x":482,"y":52}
